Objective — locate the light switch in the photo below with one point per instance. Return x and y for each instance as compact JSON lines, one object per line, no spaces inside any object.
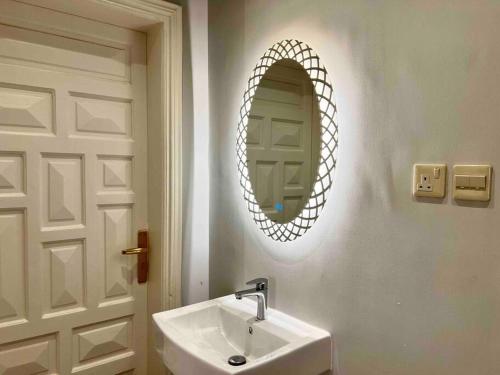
{"x":472,"y":182}
{"x":477,"y":182}
{"x":429,"y":180}
{"x":437,"y":172}
{"x":461,"y":181}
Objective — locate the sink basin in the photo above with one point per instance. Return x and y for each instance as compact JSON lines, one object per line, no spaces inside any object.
{"x":200,"y":338}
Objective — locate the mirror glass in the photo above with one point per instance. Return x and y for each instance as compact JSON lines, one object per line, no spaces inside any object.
{"x":283,"y":140}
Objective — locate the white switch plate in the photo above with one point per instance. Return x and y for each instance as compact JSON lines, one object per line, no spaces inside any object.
{"x":429,"y":180}
{"x":469,"y":182}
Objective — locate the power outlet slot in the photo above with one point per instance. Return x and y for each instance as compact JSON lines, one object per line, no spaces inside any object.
{"x":425,"y":183}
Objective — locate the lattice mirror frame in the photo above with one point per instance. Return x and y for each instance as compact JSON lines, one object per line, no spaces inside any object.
{"x":304,"y":55}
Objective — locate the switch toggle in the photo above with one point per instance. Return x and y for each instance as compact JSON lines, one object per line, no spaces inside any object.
{"x":477,"y":182}
{"x":472,"y":182}
{"x":461,"y":181}
{"x":437,"y":172}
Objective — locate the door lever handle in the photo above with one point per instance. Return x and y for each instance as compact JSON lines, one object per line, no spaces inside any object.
{"x":135,"y":250}
{"x":142,"y":256}
{"x":260,"y":282}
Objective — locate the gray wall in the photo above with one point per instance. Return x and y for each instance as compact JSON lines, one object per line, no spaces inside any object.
{"x":405,"y":287}
{"x":195,"y":135}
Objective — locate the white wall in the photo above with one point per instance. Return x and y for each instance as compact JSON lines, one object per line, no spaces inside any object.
{"x":405,"y":287}
{"x":196,"y":152}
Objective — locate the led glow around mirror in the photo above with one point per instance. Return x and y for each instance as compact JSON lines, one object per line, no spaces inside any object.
{"x":283,"y":140}
{"x":296,"y":221}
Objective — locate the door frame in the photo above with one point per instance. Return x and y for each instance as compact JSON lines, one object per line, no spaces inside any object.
{"x":162,"y":22}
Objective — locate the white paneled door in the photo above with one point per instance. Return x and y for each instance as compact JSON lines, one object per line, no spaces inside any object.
{"x":72,"y":195}
{"x":283,"y":141}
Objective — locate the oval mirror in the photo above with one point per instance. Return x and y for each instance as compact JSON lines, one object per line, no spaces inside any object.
{"x":283,"y":140}
{"x":287,"y":140}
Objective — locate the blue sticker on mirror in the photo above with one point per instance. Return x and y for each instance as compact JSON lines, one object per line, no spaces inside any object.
{"x":279,"y":207}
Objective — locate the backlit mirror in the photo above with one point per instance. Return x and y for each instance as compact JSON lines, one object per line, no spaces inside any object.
{"x":287,"y":140}
{"x":283,"y":140}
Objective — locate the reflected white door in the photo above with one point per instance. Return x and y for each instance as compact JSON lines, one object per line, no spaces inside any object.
{"x":72,"y":195}
{"x":282,"y":141}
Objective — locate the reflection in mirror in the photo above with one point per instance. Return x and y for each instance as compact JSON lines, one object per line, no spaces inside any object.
{"x":283,"y":141}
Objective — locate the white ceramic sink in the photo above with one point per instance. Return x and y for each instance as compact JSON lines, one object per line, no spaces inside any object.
{"x":199,"y":339}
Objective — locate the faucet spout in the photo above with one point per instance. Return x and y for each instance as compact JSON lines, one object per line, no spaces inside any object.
{"x":243,"y":293}
{"x":260,"y":291}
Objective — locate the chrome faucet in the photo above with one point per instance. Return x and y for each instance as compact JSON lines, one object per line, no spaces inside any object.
{"x":260,"y":291}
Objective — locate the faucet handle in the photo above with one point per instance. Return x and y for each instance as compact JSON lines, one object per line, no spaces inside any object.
{"x":260,"y":283}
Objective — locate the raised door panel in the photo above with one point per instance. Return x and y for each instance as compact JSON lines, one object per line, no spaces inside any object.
{"x":64,"y":277}
{"x":62,"y":184}
{"x":116,"y":235}
{"x":29,"y":357}
{"x":265,"y":184}
{"x":12,"y":174}
{"x":294,"y":174}
{"x":102,"y":342}
{"x":98,"y":115}
{"x":267,"y":187}
{"x":12,"y":267}
{"x":254,"y":132}
{"x":292,"y":206}
{"x":287,"y":134}
{"x":25,"y":109}
{"x":116,"y":174}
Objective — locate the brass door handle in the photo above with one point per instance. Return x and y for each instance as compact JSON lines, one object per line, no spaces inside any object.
{"x":135,"y":250}
{"x":142,"y":256}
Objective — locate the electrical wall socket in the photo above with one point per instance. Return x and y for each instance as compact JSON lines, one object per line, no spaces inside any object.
{"x":429,"y":180}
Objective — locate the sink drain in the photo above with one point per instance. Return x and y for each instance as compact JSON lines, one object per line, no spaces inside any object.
{"x":237,"y":360}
